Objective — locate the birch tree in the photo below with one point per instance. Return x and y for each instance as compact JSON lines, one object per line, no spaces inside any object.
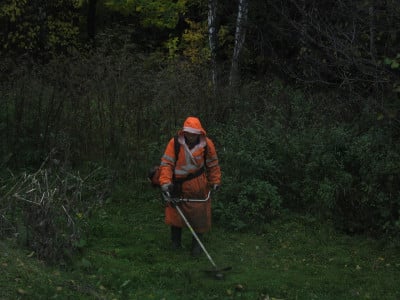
{"x":240,"y":34}
{"x":213,"y":40}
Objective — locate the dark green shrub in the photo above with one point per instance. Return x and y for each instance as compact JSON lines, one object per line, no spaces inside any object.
{"x":344,"y":171}
{"x":373,"y":203}
{"x":247,"y":204}
{"x":326,"y":177}
{"x":249,"y":195}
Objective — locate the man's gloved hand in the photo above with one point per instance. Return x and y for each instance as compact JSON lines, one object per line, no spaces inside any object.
{"x":215,"y":187}
{"x":166,"y":188}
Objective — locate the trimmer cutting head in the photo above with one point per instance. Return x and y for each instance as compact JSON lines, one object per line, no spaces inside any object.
{"x":217,"y":273}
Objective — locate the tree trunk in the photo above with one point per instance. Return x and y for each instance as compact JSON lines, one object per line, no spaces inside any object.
{"x":213,"y":40}
{"x":240,"y":34}
{"x":91,"y":19}
{"x":372,"y":30}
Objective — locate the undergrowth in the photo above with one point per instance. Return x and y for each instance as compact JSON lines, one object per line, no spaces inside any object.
{"x":128,"y":257}
{"x":47,"y":210}
{"x":280,"y":146}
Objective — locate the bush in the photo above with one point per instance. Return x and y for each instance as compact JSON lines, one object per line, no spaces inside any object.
{"x":249,"y":195}
{"x":373,"y":203}
{"x":344,"y":171}
{"x":48,"y":209}
{"x":326,"y":177}
{"x":247,"y":204}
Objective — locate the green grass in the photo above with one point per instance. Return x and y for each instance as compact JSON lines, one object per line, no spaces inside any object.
{"x":128,"y":257}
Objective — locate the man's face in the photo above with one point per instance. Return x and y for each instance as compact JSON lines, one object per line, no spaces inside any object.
{"x":191,"y":138}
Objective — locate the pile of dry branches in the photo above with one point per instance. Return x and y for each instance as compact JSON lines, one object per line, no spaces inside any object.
{"x":48,"y":209}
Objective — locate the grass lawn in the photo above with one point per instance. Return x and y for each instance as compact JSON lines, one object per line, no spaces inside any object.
{"x":128,"y":257}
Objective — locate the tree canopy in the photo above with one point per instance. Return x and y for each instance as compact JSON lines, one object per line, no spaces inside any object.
{"x":344,"y":44}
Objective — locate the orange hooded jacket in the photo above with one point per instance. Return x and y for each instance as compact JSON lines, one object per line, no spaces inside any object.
{"x":189,"y":162}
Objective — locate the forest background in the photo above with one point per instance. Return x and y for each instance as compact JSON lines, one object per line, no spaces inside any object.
{"x":301,"y":97}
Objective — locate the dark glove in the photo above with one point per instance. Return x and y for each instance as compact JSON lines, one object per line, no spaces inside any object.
{"x":173,"y":202}
{"x":166,"y":190}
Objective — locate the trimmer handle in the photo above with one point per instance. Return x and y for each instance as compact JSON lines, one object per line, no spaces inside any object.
{"x":178,"y":200}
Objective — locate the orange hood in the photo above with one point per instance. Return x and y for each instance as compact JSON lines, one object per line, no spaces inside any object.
{"x":193,"y":125}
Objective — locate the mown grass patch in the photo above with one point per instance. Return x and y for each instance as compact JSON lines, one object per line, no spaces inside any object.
{"x":128,"y":257}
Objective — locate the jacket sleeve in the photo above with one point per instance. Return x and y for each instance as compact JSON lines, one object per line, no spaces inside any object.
{"x":167,"y":164}
{"x":212,"y":164}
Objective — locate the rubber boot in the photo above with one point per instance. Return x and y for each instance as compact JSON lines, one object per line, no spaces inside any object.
{"x":196,"y":248}
{"x":176,"y":235}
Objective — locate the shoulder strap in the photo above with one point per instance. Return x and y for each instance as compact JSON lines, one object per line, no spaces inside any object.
{"x":205,"y":152}
{"x":177,"y":147}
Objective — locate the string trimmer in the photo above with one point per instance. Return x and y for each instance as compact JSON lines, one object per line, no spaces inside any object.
{"x":216,"y":272}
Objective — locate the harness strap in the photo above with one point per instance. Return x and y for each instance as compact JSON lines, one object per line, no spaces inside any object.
{"x":190,"y":176}
{"x":177,"y":147}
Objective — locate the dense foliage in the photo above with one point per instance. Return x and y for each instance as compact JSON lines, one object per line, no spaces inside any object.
{"x":313,"y":127}
{"x":287,"y":151}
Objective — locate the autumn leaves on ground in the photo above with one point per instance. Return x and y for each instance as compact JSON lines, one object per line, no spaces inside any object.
{"x":127,"y":256}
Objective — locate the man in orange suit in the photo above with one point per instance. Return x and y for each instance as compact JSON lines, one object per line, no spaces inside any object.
{"x":191,"y":175}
